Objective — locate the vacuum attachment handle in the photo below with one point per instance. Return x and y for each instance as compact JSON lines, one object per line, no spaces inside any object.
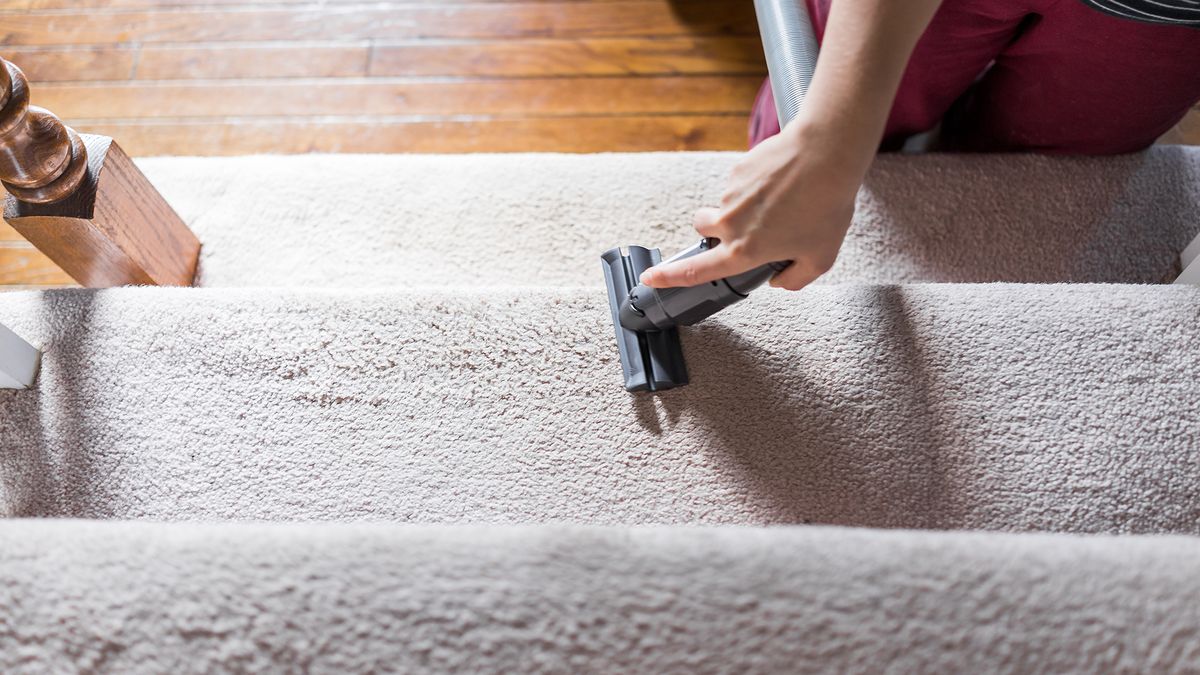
{"x":655,"y":309}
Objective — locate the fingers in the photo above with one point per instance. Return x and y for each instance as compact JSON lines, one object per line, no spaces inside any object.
{"x":711,"y":265}
{"x":707,"y":222}
{"x":794,"y":277}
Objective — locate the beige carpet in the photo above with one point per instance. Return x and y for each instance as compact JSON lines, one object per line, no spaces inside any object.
{"x":81,"y":596}
{"x":1010,"y":407}
{"x":542,"y":220}
{"x":442,"y":357}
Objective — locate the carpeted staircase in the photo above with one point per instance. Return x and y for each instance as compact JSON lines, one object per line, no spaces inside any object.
{"x":995,"y":474}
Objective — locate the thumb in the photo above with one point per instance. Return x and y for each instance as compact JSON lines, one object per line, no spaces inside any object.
{"x":709,"y":266}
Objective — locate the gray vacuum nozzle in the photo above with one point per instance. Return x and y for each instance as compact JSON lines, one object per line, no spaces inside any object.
{"x":651,"y":360}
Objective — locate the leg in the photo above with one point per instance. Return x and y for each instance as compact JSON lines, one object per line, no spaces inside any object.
{"x":1080,"y":81}
{"x":963,"y":38}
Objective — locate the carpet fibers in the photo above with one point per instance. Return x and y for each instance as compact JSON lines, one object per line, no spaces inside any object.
{"x":542,"y":220}
{"x":1068,"y":408}
{"x":899,"y":468}
{"x":82,"y":596}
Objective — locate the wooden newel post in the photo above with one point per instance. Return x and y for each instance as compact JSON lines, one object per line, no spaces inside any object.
{"x":80,"y":200}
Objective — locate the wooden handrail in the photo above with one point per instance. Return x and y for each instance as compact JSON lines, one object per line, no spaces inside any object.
{"x":80,"y":200}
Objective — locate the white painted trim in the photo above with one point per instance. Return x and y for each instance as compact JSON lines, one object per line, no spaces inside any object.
{"x":1190,"y":253}
{"x":1189,"y":260}
{"x":19,"y":361}
{"x":1191,"y":274}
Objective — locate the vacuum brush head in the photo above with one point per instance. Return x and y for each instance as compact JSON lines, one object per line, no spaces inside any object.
{"x":651,"y":359}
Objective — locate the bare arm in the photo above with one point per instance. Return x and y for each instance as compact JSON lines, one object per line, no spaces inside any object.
{"x":792,"y":196}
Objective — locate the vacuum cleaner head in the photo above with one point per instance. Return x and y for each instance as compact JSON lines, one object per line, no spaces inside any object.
{"x":650,"y":360}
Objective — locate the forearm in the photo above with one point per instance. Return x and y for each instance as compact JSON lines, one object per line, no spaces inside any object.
{"x":866,"y":46}
{"x":792,"y":196}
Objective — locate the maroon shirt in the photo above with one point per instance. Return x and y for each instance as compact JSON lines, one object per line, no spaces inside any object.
{"x":1050,"y":76}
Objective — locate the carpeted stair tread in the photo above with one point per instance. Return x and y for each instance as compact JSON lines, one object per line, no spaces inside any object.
{"x":1012,"y":407}
{"x":86,"y":596}
{"x":543,"y":220}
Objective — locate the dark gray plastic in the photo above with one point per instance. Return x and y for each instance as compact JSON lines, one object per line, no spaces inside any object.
{"x":650,"y":360}
{"x":649,"y":308}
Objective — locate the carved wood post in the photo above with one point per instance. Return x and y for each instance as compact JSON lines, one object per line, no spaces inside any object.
{"x":80,"y":200}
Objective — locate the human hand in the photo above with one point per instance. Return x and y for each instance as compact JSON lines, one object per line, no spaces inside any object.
{"x":789,"y":198}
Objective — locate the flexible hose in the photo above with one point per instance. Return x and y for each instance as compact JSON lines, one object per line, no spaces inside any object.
{"x":790,"y":45}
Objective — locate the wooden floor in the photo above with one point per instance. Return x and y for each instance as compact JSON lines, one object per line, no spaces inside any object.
{"x":173,"y":77}
{"x":218,"y":77}
{"x":227,"y":77}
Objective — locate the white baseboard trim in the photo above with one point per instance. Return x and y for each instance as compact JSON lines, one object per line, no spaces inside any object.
{"x":19,"y":361}
{"x":1189,"y":260}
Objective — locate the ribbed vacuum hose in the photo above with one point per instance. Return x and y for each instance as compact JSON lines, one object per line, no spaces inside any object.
{"x":790,"y":45}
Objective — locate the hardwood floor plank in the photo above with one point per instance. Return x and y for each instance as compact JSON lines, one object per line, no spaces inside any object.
{"x":575,"y":134}
{"x":162,"y":4}
{"x":7,"y":234}
{"x":11,"y":288}
{"x":265,"y":61}
{"x":372,"y":21}
{"x":27,"y":266}
{"x":72,"y":64}
{"x":561,"y":96}
{"x":597,"y":56}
